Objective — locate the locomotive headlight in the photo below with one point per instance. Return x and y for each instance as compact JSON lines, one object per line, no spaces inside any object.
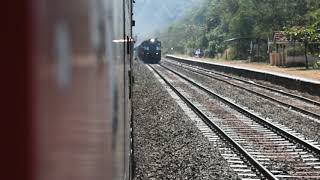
{"x":152,"y":40}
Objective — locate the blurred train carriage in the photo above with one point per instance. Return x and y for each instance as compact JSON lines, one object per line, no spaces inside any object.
{"x":68,"y":101}
{"x":149,"y":51}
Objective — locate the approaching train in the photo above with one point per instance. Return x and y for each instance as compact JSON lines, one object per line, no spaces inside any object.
{"x":66,"y":89}
{"x":149,"y":51}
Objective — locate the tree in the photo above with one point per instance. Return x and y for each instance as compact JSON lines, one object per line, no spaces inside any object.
{"x":215,"y":21}
{"x":305,"y":35}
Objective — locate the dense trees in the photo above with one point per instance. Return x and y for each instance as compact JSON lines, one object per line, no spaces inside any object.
{"x":215,"y":21}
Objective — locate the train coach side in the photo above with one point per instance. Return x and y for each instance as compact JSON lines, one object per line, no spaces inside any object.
{"x":68,"y":99}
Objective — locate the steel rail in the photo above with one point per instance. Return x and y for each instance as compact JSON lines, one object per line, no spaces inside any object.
{"x":304,"y":111}
{"x":259,"y":85}
{"x":296,"y":140}
{"x":266,"y":173}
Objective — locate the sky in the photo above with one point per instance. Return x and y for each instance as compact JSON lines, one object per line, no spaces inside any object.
{"x":155,"y":15}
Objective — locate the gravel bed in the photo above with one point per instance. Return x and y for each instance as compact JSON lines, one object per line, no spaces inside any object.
{"x":233,"y":119}
{"x":269,"y":84}
{"x":167,"y":145}
{"x":267,"y":109}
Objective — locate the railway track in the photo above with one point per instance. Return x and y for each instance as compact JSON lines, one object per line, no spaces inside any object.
{"x":294,"y":102}
{"x":254,"y":147}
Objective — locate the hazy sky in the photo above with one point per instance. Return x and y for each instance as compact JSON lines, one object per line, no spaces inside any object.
{"x":155,"y":15}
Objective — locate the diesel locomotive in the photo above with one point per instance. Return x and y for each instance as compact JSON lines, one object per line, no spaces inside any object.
{"x":149,"y":51}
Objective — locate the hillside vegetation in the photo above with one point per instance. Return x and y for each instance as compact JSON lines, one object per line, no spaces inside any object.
{"x":208,"y":26}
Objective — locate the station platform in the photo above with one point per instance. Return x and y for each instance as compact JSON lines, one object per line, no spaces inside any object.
{"x":293,"y":78}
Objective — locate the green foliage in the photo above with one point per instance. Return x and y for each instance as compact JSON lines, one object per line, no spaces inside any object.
{"x":302,"y":34}
{"x":215,"y":21}
{"x":316,"y":65}
{"x":305,"y":34}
